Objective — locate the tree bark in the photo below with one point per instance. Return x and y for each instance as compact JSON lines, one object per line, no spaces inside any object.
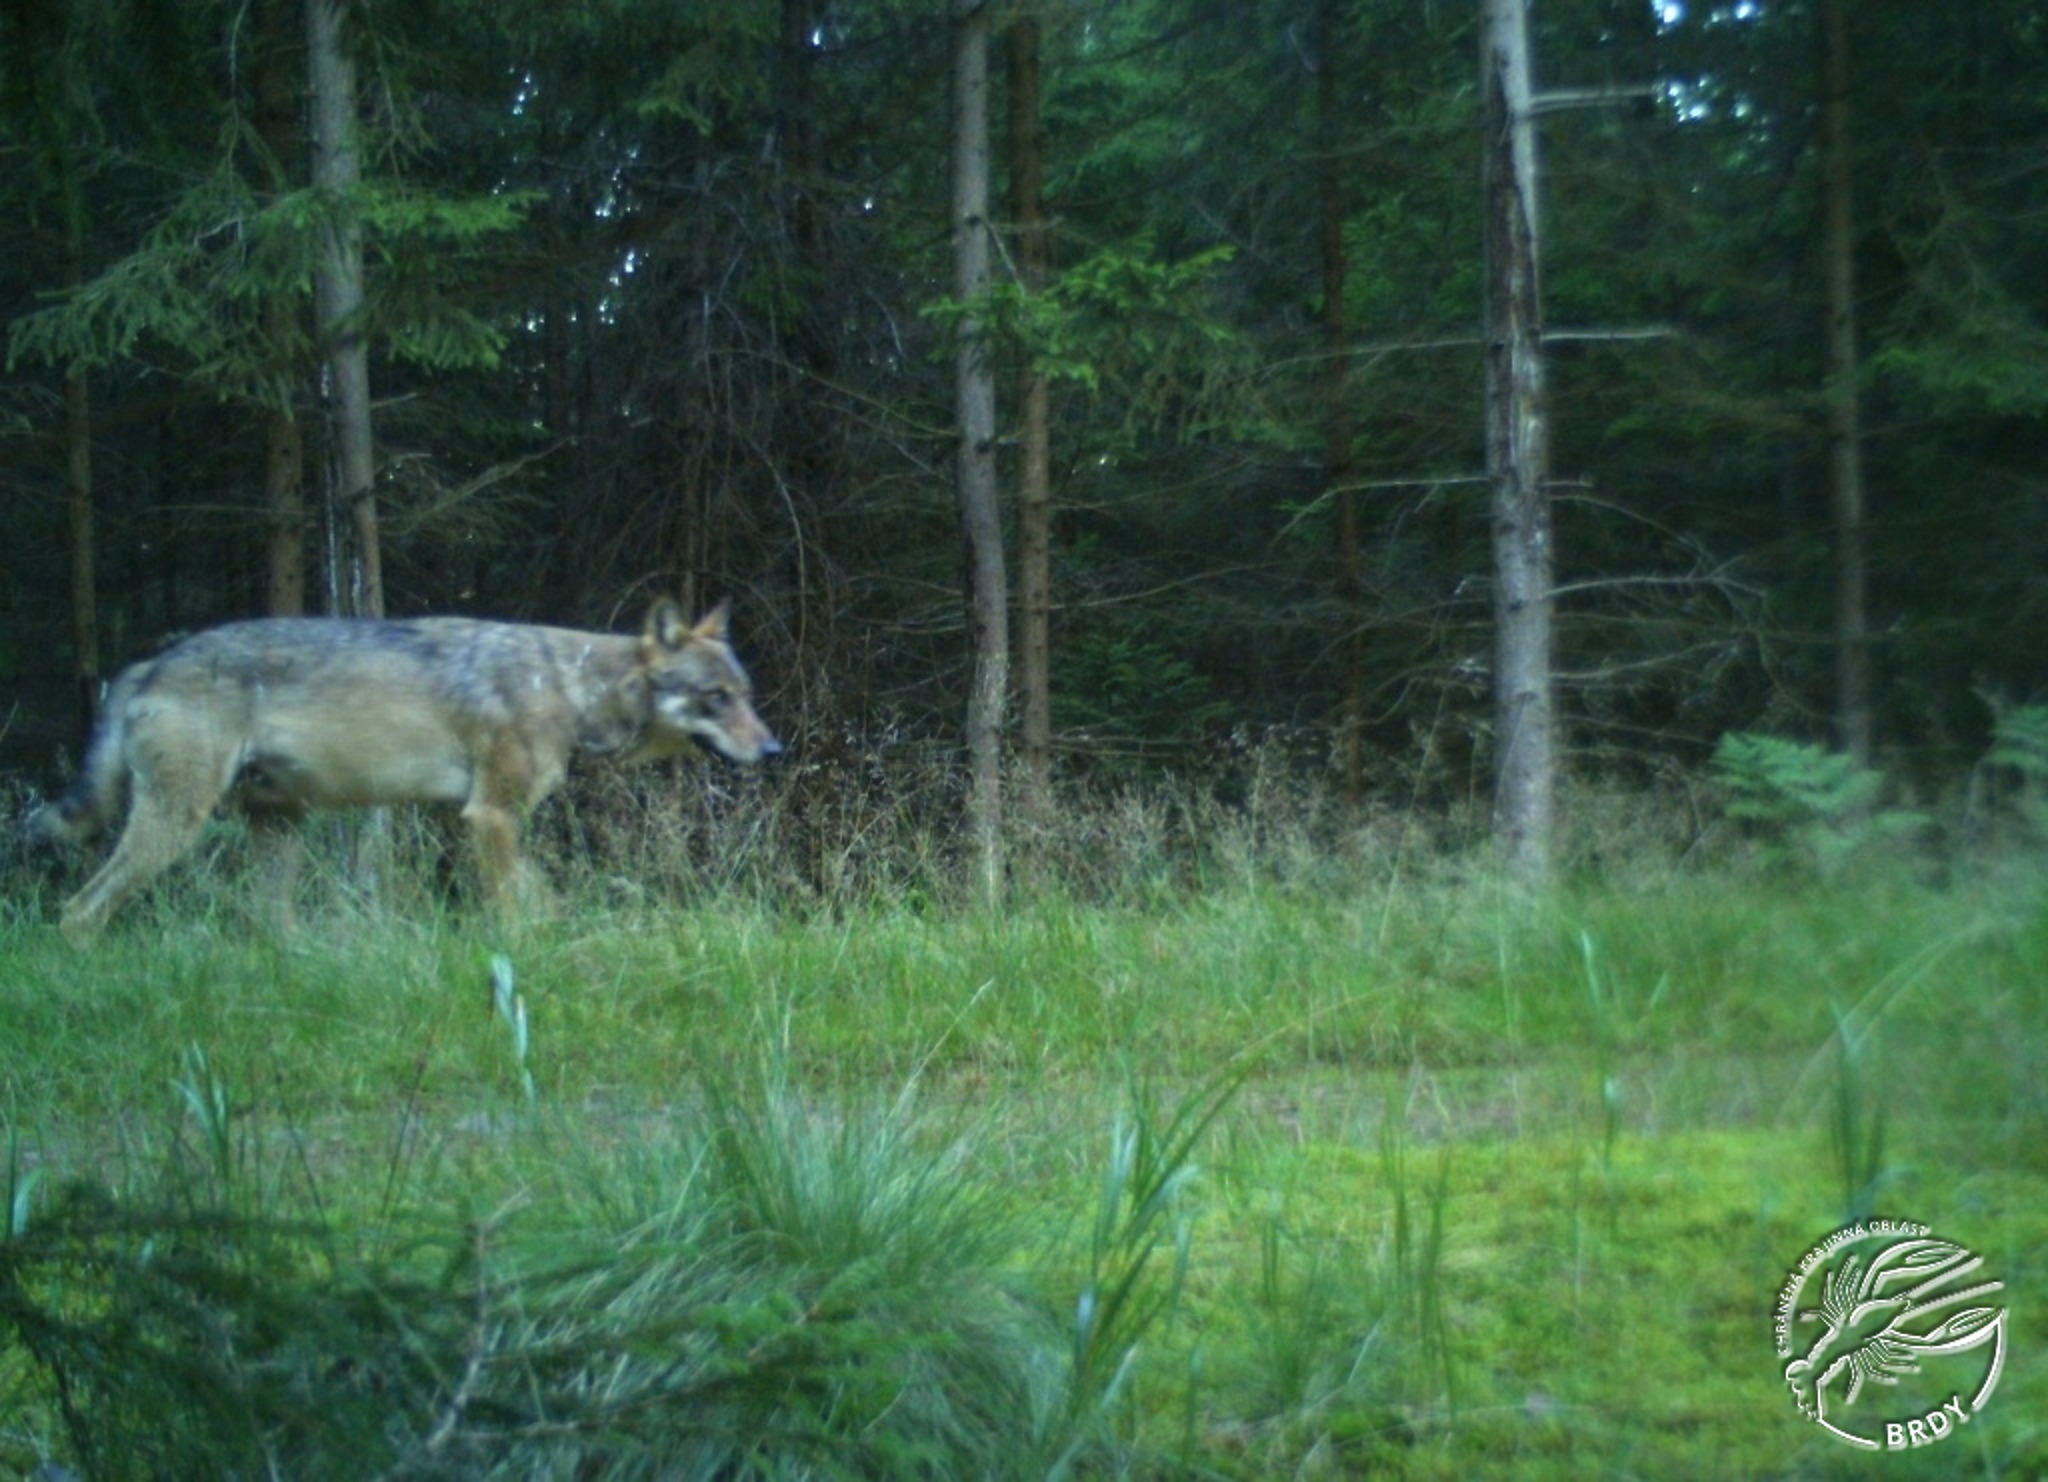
{"x":284,"y":482}
{"x":284,"y":501}
{"x":988,"y":599}
{"x":1517,"y":452}
{"x":1337,"y":423}
{"x":1034,"y":470}
{"x":43,"y":55}
{"x":1853,"y":721}
{"x":338,"y":289}
{"x":78,"y":512}
{"x":78,"y":490}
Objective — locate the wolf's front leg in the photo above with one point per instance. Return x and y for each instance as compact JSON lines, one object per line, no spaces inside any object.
{"x":512,"y":887}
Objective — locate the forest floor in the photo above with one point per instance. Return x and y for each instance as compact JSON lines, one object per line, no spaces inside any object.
{"x":1270,"y":1179}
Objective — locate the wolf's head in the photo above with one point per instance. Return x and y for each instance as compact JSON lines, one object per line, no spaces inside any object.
{"x":696,"y":687}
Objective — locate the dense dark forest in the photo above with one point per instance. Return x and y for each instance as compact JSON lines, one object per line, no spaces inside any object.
{"x":661,"y":297}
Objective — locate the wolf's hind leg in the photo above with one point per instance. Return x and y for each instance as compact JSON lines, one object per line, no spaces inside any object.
{"x":178,"y":775}
{"x":157,"y":835}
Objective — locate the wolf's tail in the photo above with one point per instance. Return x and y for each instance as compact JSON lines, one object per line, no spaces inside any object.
{"x":100,"y":790}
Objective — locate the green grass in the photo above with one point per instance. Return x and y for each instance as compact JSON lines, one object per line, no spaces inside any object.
{"x":1285,"y":1176}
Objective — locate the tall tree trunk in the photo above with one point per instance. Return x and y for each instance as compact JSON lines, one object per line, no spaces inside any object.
{"x":1853,"y":723}
{"x":78,"y":512}
{"x":812,"y":436}
{"x":988,"y":598}
{"x":78,"y":501}
{"x":1337,"y":426}
{"x":338,"y":287}
{"x":284,"y":480}
{"x":43,"y":61}
{"x":1517,"y":451}
{"x":796,"y":121}
{"x":1034,"y":473}
{"x":284,"y":493}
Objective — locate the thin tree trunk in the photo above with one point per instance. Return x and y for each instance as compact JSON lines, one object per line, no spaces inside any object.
{"x":812,"y":438}
{"x":1517,"y":452}
{"x":811,"y":335}
{"x":43,"y":57}
{"x":284,"y":504}
{"x":1337,"y":427}
{"x":284,"y":478}
{"x":1034,"y":474}
{"x":78,"y":500}
{"x":1853,"y":721}
{"x":78,"y":511}
{"x":975,"y":409}
{"x":338,"y":287}
{"x":338,"y":314}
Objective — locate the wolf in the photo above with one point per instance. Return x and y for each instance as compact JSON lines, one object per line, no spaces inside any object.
{"x":275,"y":717}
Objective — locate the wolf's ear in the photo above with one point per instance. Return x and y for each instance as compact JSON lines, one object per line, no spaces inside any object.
{"x":666,"y":624}
{"x":714,"y":623}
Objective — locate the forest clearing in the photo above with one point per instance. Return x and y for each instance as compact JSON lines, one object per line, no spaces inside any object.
{"x":1298,"y":1173}
{"x":1395,"y":653}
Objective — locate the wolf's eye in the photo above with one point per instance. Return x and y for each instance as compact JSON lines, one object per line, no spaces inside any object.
{"x":719,"y":699}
